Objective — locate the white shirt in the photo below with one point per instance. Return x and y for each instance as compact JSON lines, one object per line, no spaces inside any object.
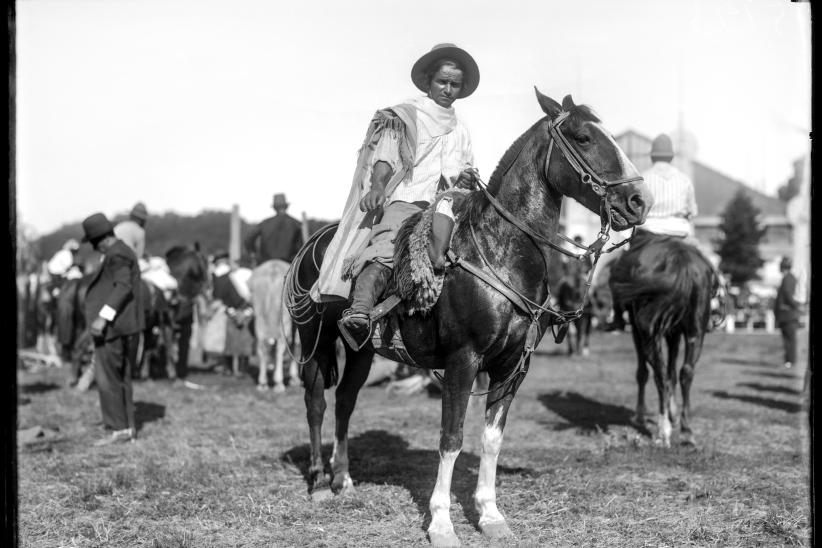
{"x":133,"y":235}
{"x":443,"y":150}
{"x":60,"y":264}
{"x":674,"y":201}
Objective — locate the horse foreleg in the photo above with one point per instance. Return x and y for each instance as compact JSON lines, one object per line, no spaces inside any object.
{"x":491,"y":521}
{"x":693,"y":348}
{"x":455,"y":394}
{"x":357,"y":367}
{"x":586,"y":332}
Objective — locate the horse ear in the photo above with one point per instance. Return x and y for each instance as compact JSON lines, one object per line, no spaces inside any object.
{"x":568,"y":103}
{"x":196,"y":246}
{"x":549,"y":106}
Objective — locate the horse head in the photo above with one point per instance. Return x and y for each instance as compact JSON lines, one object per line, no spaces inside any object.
{"x":189,"y":267}
{"x":585,"y":163}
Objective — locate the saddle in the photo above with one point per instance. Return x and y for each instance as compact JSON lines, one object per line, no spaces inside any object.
{"x":414,"y":287}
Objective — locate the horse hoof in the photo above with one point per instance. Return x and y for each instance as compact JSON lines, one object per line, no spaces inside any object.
{"x":687,"y":440}
{"x":586,"y":352}
{"x":319,"y":495}
{"x":443,"y":539}
{"x":262,"y":387}
{"x":496,"y":530}
{"x":279,"y":388}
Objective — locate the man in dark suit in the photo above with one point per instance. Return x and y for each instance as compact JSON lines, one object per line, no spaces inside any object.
{"x":280,"y":236}
{"x":787,"y":311}
{"x":114,"y":314}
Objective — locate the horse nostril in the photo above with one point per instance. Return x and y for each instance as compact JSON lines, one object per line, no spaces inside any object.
{"x":636,"y":204}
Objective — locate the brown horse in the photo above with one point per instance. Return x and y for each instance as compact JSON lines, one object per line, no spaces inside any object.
{"x":488,"y":316}
{"x":666,"y":285}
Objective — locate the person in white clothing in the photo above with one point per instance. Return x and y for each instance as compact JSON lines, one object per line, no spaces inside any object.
{"x":132,"y":231}
{"x":673,"y":191}
{"x":412,"y":151}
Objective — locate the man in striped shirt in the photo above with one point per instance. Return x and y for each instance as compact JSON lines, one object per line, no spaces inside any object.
{"x":674,"y":199}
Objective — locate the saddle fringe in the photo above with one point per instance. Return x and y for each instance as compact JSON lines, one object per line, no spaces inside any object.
{"x":414,"y":278}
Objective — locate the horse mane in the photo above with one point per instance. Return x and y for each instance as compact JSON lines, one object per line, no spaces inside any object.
{"x":475,"y":203}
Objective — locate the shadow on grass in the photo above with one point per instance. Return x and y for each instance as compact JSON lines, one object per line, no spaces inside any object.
{"x":587,"y":414}
{"x":790,"y":407}
{"x":748,"y":362}
{"x":769,"y":388}
{"x":773,"y":374}
{"x":38,"y":387}
{"x":380,"y":457}
{"x":147,"y":412}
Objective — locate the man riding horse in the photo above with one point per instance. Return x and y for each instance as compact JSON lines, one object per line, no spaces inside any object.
{"x":411,"y":151}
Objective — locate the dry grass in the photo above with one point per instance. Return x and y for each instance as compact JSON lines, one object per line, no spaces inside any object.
{"x":225,"y":466}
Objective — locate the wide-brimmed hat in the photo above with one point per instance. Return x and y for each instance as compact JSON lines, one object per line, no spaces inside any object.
{"x":470,"y":70}
{"x":139,"y":211}
{"x":95,"y":227}
{"x":279,"y":201}
{"x":219,"y":255}
{"x":662,"y":147}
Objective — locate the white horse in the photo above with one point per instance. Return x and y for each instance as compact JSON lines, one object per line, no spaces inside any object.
{"x":272,"y":323}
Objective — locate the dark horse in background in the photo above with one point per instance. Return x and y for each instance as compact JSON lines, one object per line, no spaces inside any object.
{"x":666,"y":285}
{"x":572,"y":292}
{"x":474,"y":327}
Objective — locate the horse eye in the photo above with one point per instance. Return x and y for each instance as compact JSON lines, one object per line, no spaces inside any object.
{"x":583,"y":139}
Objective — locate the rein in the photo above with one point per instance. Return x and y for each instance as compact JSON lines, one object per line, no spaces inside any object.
{"x":531,"y":308}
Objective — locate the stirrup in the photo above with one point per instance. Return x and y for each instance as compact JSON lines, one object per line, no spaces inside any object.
{"x":348,"y":336}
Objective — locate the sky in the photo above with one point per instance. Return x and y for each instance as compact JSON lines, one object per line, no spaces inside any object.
{"x":191,"y":105}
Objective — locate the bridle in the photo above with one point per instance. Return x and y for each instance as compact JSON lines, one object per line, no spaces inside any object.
{"x":533,"y":309}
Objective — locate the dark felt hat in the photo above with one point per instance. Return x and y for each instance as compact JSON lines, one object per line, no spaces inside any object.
{"x":470,"y":70}
{"x":139,"y":211}
{"x":279,"y":201}
{"x":95,"y":227}
{"x":662,"y":147}
{"x":219,"y":254}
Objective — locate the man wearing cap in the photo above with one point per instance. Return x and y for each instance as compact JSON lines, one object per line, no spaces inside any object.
{"x":411,"y":151}
{"x":132,"y":231}
{"x":115,"y":318}
{"x":787,"y":310}
{"x":278,"y":237}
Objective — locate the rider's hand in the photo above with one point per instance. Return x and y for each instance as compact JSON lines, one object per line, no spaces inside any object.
{"x":374,"y":199}
{"x":467,"y":179}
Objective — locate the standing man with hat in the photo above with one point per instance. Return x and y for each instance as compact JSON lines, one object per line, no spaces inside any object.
{"x":278,"y":237}
{"x":787,"y":310}
{"x":114,"y":314}
{"x":133,"y":230}
{"x":411,"y":151}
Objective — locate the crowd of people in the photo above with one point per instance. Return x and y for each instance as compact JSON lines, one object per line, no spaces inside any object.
{"x":412,"y":151}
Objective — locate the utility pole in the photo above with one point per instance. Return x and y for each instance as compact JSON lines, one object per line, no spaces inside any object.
{"x":234,"y":251}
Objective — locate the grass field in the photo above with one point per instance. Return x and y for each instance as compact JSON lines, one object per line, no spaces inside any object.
{"x":226,"y":466}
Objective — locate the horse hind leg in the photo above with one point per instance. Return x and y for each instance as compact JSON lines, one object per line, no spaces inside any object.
{"x":664,"y":427}
{"x":357,"y":367}
{"x":279,"y":350}
{"x":491,"y":521}
{"x":315,"y":372}
{"x":641,"y":378}
{"x":672,"y":340}
{"x":693,"y":348}
{"x":263,"y":352}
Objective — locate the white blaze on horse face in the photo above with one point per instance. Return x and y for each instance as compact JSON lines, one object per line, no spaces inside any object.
{"x":627,"y":167}
{"x":440,"y":504}
{"x":485,"y":497}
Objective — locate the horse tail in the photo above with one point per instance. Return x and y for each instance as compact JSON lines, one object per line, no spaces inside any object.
{"x":677,"y":296}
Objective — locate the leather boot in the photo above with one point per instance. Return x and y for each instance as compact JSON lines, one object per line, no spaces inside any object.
{"x":369,"y":286}
{"x":441,"y":228}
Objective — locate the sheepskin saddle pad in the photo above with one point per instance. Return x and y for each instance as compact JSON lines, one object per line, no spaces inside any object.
{"x":414,"y":279}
